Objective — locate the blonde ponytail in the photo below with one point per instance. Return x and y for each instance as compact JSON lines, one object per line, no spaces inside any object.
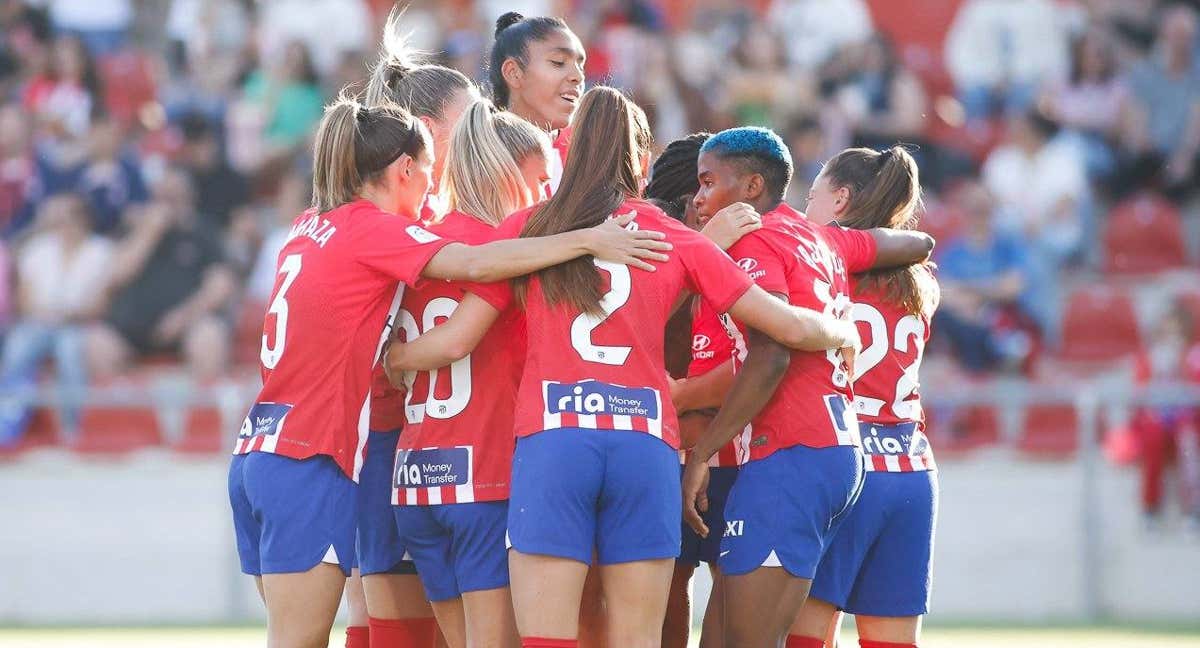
{"x":483,"y":167}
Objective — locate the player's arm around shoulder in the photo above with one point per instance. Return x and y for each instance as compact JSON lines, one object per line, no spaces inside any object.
{"x":443,"y":344}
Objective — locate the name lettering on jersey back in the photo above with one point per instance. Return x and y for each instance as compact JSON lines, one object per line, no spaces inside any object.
{"x":314,"y":227}
{"x":819,"y":257}
{"x":595,"y":397}
{"x":902,"y":439}
{"x":432,"y":467}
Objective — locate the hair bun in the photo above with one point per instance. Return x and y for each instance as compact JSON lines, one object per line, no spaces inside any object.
{"x":507,"y":20}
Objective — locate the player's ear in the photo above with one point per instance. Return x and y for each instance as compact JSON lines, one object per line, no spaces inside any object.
{"x":841,"y":200}
{"x":511,"y":70}
{"x":430,"y":124}
{"x":755,"y":185}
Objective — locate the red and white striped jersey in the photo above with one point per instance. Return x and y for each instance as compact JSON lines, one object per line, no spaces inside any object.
{"x":812,"y":404}
{"x":458,"y":445}
{"x":713,"y":347}
{"x":607,"y":370}
{"x":324,"y":328}
{"x":887,"y":385}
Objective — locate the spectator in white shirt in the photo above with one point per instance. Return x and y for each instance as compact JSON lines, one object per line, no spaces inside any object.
{"x":1042,"y":191}
{"x":999,"y":51}
{"x":62,"y":270}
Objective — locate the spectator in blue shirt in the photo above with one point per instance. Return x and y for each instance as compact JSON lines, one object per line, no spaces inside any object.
{"x":983,"y":277}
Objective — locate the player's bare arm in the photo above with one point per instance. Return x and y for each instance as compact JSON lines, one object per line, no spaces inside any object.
{"x":704,"y":391}
{"x":800,"y":328}
{"x":895,"y":247}
{"x":499,"y":260}
{"x":752,"y":389}
{"x":443,"y":344}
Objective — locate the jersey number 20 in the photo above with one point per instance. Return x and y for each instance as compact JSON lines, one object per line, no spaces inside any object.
{"x":460,"y":370}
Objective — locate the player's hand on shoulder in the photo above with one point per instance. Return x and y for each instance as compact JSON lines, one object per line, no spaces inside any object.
{"x":614,"y":241}
{"x":730,"y":224}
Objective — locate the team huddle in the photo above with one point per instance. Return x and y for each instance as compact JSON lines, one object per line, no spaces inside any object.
{"x":519,"y":381}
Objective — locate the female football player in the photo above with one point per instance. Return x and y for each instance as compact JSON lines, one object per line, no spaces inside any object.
{"x":293,"y":487}
{"x":595,"y":470}
{"x":390,"y":598}
{"x":456,"y":458}
{"x":879,"y":565}
{"x":536,"y":71}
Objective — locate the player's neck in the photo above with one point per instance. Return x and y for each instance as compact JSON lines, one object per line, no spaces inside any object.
{"x":764,"y":205}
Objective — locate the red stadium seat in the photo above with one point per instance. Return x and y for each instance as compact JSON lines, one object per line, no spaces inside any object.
{"x":1190,"y":300}
{"x":128,"y":79}
{"x":247,"y":337}
{"x":942,"y":221}
{"x":1144,"y":235}
{"x":1099,"y":326}
{"x":967,"y":429}
{"x":1049,"y":431}
{"x":42,"y":432}
{"x":203,"y":432}
{"x":117,"y":430}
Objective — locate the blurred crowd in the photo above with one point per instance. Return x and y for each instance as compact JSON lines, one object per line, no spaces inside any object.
{"x":153,"y":153}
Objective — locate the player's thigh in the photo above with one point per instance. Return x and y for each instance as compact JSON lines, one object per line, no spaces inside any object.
{"x":452,"y":621}
{"x":490,"y":618}
{"x":356,"y":600}
{"x":900,"y":630}
{"x":678,"y":622}
{"x":815,"y":618}
{"x":712,"y":632}
{"x":761,"y":605}
{"x":395,"y":596}
{"x":593,"y":613}
{"x":301,"y":606}
{"x":636,"y":596}
{"x":546,"y":592}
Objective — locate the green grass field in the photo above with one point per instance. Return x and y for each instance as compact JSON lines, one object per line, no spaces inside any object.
{"x":1107,"y":637}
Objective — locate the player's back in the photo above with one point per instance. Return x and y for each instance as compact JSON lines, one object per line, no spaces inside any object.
{"x":811,"y":405}
{"x":887,"y":384}
{"x":460,"y":417}
{"x":606,"y":370}
{"x":338,"y":279}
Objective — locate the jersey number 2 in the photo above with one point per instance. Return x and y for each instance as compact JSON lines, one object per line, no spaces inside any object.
{"x":909,"y":326}
{"x":619,"y":286}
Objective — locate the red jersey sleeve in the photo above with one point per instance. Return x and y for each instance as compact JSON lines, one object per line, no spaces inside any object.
{"x":856,"y":247}
{"x":710,"y":271}
{"x":498,"y":294}
{"x":398,"y":248}
{"x":762,"y":262}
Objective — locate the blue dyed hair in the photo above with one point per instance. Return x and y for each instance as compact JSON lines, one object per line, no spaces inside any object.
{"x":756,"y":150}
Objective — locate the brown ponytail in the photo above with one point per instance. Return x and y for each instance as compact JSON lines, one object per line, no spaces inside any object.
{"x":355,"y":144}
{"x":610,"y":137}
{"x":885,"y":191}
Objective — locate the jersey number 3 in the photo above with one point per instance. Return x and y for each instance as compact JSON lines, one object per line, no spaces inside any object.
{"x":290,"y":269}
